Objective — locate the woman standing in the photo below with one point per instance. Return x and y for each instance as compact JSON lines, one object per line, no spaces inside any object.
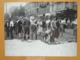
{"x":33,"y":29}
{"x":39,"y":31}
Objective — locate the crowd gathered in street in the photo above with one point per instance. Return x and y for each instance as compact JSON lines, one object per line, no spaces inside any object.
{"x":36,"y":28}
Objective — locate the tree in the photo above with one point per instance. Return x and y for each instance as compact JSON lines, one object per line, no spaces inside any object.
{"x":6,"y":16}
{"x":22,"y":11}
{"x":14,"y":13}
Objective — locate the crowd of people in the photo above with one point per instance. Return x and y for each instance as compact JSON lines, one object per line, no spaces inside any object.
{"x":37,"y":28}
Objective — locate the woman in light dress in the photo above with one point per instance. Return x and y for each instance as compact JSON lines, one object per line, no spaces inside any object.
{"x":39,"y":30}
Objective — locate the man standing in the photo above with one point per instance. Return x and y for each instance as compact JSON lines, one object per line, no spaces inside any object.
{"x":11,"y":28}
{"x":53,"y":30}
{"x":7,"y":28}
{"x":62,"y":26}
{"x":26,"y":28}
{"x":19,"y":27}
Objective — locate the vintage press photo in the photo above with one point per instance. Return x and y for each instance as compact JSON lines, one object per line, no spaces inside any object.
{"x":40,"y":28}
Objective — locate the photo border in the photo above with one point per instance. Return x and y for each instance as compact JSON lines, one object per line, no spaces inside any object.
{"x":2,"y":43}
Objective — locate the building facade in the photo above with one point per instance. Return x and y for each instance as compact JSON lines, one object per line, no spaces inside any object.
{"x":39,"y":8}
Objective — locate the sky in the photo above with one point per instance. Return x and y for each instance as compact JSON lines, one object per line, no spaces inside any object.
{"x":8,"y":5}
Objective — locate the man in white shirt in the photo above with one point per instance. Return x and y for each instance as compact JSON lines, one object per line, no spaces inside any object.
{"x":11,"y":28}
{"x":11,"y":23}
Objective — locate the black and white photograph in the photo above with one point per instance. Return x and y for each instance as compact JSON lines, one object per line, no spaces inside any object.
{"x":40,"y":28}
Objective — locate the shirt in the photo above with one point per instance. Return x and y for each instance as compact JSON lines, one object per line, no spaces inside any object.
{"x":11,"y":23}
